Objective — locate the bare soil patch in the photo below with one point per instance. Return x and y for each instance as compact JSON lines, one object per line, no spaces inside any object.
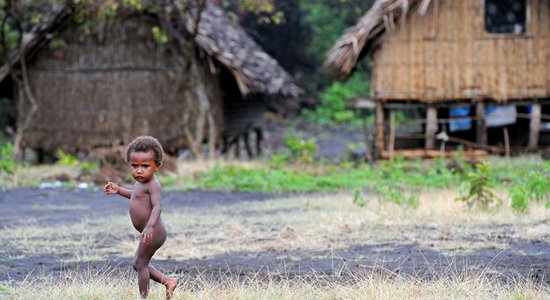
{"x":511,"y":254}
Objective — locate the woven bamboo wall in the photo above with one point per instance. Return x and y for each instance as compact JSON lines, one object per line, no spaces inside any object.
{"x":447,"y":55}
{"x":107,"y":88}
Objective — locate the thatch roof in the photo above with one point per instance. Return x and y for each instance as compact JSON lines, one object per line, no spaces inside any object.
{"x":343,"y":56}
{"x":254,"y":70}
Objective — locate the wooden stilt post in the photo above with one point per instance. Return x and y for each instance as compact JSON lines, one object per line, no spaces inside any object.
{"x":506,"y":142}
{"x":379,"y":129}
{"x":534,"y":127}
{"x":368,"y":149}
{"x":431,"y":126}
{"x":481,"y":126}
{"x":391,"y":145}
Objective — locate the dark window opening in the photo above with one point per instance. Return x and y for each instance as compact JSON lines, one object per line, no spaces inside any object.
{"x":505,"y":16}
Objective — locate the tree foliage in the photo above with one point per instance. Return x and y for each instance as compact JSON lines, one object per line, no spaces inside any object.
{"x":328,"y":19}
{"x":20,"y":17}
{"x":265,"y":11}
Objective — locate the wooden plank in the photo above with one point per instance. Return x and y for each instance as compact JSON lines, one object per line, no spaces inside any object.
{"x":423,"y":153}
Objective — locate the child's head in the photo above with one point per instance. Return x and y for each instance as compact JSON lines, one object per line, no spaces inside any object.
{"x":146,"y":144}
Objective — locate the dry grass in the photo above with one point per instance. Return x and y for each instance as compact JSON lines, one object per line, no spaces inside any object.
{"x":332,"y":221}
{"x":32,"y":176}
{"x":83,"y":241}
{"x":309,"y":223}
{"x":102,"y":285}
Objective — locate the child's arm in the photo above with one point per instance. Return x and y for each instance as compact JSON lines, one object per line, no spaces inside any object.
{"x":113,"y":189}
{"x":154,"y":192}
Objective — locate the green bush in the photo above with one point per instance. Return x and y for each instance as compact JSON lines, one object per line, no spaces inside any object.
{"x":358,"y":199}
{"x":89,"y":167}
{"x":8,"y":161}
{"x":533,"y":187}
{"x":398,"y":196}
{"x":475,"y":189}
{"x":520,"y":198}
{"x":65,"y":159}
{"x":539,"y":185}
{"x":334,"y":107}
{"x":301,"y":150}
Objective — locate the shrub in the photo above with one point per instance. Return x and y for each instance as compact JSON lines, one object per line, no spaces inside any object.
{"x":520,"y":198}
{"x":8,"y":162}
{"x":333,"y":107}
{"x":530,"y":188}
{"x":301,"y":150}
{"x":398,"y":197}
{"x":89,"y":167}
{"x":358,"y":199}
{"x":475,"y":189}
{"x":66,"y":159}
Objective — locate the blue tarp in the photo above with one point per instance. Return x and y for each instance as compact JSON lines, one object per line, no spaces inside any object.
{"x":462,"y":124}
{"x":498,"y":115}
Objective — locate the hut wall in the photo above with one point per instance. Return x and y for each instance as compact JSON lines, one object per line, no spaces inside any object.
{"x":240,"y":114}
{"x":107,"y":88}
{"x":448,"y":55}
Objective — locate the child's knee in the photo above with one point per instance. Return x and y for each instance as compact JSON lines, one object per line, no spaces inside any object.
{"x":138,"y":264}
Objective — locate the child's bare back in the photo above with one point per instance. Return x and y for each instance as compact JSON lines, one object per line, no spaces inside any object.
{"x":144,"y":155}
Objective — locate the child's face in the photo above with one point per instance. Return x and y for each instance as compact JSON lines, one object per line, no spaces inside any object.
{"x":143,"y":166}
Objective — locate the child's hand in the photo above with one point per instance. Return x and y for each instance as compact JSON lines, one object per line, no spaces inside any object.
{"x":147,"y":235}
{"x":111,"y":188}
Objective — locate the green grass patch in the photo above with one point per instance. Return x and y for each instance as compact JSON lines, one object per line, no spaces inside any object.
{"x":321,"y":177}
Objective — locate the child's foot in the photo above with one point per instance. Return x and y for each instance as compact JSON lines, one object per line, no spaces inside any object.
{"x":170,"y":287}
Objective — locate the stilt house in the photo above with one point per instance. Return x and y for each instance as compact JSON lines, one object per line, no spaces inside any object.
{"x":106,"y":87}
{"x":477,"y":71}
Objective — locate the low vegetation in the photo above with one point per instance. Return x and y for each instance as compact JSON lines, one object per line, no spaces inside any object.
{"x":524,"y":179}
{"x":369,"y":285}
{"x":312,"y":223}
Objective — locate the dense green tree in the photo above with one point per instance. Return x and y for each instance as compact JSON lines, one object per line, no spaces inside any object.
{"x":307,"y":30}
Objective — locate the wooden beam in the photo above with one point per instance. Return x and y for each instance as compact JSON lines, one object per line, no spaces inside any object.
{"x":423,"y":153}
{"x":481,"y":125}
{"x":431,"y":127}
{"x":534,"y":127}
{"x":379,"y":128}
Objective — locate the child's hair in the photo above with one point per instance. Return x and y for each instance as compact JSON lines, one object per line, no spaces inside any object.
{"x":145,"y":144}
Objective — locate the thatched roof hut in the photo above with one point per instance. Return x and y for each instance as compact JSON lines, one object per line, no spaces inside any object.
{"x":107,"y":87}
{"x":436,"y":53}
{"x":440,"y":50}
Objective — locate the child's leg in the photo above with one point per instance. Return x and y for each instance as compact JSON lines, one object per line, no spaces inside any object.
{"x":169,"y":283}
{"x":143,"y":256}
{"x":141,"y":265}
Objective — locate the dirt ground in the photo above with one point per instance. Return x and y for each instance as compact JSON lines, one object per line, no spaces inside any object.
{"x":53,"y":207}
